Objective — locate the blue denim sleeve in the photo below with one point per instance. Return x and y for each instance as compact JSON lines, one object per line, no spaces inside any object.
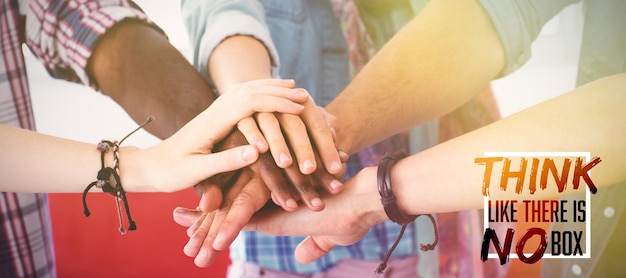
{"x":210,"y":22}
{"x":518,"y":23}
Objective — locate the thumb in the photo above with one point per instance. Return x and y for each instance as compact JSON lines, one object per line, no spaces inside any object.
{"x":185,"y":217}
{"x":229,"y":160}
{"x":211,"y":198}
{"x":313,"y":248}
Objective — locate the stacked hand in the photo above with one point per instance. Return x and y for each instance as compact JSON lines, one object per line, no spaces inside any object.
{"x":229,"y":200}
{"x":346,"y":219}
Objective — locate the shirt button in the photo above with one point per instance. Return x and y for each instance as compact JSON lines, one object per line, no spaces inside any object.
{"x":609,"y":212}
{"x":577,"y":270}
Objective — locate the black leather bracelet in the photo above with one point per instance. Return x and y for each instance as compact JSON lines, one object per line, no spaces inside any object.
{"x":384,"y":188}
{"x":391,"y":207}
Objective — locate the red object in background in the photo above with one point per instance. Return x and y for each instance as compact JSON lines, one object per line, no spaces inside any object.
{"x":93,"y":246}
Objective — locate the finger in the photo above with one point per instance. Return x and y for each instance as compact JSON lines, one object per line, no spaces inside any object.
{"x":185,"y":217}
{"x":206,"y":254}
{"x":274,"y":136}
{"x":253,"y":135}
{"x":252,"y":198}
{"x":313,"y":248}
{"x":200,"y":244}
{"x":230,"y":108}
{"x":330,"y":183}
{"x":195,"y":168}
{"x":327,"y":181}
{"x":343,"y":155}
{"x":191,"y":230}
{"x":207,"y":165}
{"x":287,"y":83}
{"x":322,"y":137}
{"x":221,"y":214}
{"x":211,"y":198}
{"x":304,"y":186}
{"x":330,"y":119}
{"x":249,"y":97}
{"x":199,"y":231}
{"x":296,"y":132}
{"x":275,"y":181}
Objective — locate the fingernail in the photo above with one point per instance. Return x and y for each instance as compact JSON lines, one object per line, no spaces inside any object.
{"x":284,"y":159}
{"x":302,"y":92}
{"x":298,"y":106}
{"x":317,"y":202}
{"x":288,"y":81}
{"x":343,"y":156}
{"x":335,"y":184}
{"x":291,"y":203}
{"x":248,"y":153}
{"x":202,"y":254}
{"x":217,"y":243}
{"x":261,"y":146}
{"x":192,"y":244}
{"x":308,"y":164}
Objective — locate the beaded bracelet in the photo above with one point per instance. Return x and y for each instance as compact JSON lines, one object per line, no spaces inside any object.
{"x":103,"y":179}
{"x":391,"y":207}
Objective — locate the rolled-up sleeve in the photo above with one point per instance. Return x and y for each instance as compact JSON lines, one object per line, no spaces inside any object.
{"x":63,"y":34}
{"x":518,"y":23}
{"x":210,"y":22}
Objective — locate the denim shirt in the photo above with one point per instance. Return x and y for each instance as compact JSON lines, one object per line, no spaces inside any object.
{"x":306,"y":46}
{"x":602,"y":53}
{"x":306,"y":43}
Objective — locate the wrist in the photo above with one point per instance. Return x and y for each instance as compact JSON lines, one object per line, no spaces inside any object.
{"x":387,"y":196}
{"x":368,"y":203}
{"x":132,"y":176}
{"x":344,"y":138}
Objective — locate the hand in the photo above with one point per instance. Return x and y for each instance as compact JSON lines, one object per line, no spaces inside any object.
{"x":353,"y":212}
{"x":345,"y":220}
{"x":287,"y":186}
{"x":298,"y":186}
{"x":311,"y":131}
{"x":215,"y":231}
{"x":212,"y":232}
{"x":209,"y":233}
{"x":187,"y":157}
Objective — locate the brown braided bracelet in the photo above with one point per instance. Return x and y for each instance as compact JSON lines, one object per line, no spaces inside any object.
{"x":391,"y":207}
{"x":103,"y":179}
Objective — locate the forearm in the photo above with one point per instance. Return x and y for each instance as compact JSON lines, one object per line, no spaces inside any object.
{"x":238,"y":59}
{"x":34,"y":162}
{"x":434,"y":64}
{"x":445,"y":178}
{"x":138,"y":68}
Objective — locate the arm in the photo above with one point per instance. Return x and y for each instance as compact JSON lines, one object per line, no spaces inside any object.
{"x":445,"y":177}
{"x":181,"y":161}
{"x":233,"y":44}
{"x":448,"y":53}
{"x":138,"y":68}
{"x":125,"y":56}
{"x":246,"y":53}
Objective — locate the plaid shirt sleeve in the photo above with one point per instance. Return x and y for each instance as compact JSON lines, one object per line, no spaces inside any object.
{"x":63,"y":34}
